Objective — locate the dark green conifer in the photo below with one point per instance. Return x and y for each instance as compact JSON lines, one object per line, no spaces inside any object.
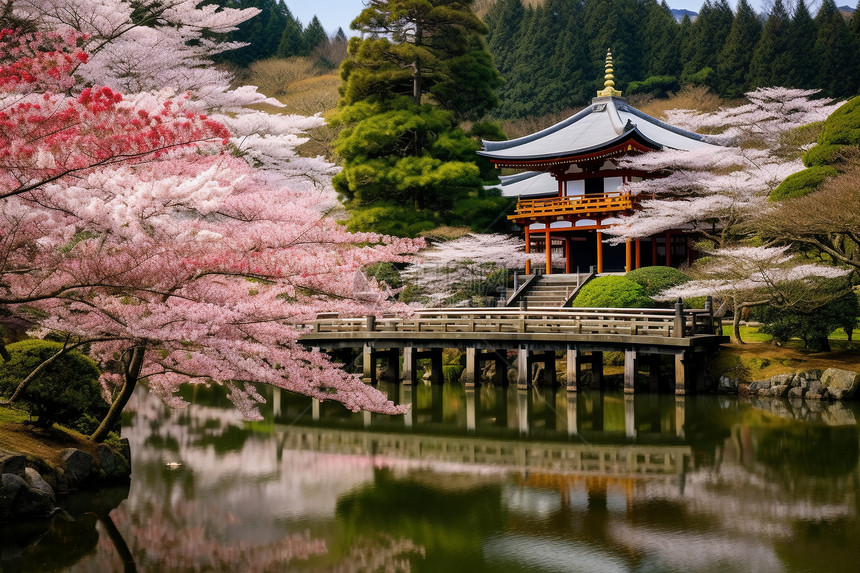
{"x":661,"y":40}
{"x":707,"y":37}
{"x":292,"y":42}
{"x":803,"y":33}
{"x":834,"y":56}
{"x":771,"y":63}
{"x":734,"y":62}
{"x":314,"y":35}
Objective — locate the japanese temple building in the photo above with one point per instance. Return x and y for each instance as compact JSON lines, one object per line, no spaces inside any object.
{"x":570,"y":187}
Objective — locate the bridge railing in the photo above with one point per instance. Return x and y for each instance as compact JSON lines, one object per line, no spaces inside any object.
{"x":677,"y":323}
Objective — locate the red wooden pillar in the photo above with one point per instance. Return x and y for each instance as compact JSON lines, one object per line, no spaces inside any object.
{"x":528,"y":250}
{"x":548,"y":250}
{"x":668,"y":249}
{"x":599,"y":251}
{"x":638,"y":253}
{"x":628,"y":259}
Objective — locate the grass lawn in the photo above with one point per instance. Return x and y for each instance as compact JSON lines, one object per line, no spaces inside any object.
{"x":18,"y":436}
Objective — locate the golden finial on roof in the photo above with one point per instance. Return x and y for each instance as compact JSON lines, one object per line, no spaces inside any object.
{"x":609,"y":84}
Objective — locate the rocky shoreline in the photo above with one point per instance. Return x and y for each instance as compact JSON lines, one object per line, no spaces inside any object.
{"x":30,"y":485}
{"x":814,"y":384}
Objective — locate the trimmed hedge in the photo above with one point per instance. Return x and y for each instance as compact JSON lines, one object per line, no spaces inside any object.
{"x":803,"y":182}
{"x":843,"y":125}
{"x":612,"y":292}
{"x":657,"y":279}
{"x":825,"y":154}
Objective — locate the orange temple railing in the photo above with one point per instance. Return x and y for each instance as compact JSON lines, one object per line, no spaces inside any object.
{"x":573,"y":204}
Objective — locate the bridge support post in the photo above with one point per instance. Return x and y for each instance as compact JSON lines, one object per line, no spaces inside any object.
{"x":680,"y":415}
{"x":597,"y":370}
{"x":629,"y":416}
{"x":409,"y":374}
{"x":406,"y":398}
{"x":523,"y":367}
{"x":572,"y":419}
{"x":368,"y":365}
{"x":654,"y":372}
{"x":682,"y":363}
{"x":572,"y":372}
{"x":629,"y":370}
{"x":471,"y":409}
{"x":470,"y":376}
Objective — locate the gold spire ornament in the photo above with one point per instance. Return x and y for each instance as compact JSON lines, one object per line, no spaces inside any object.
{"x":609,"y":83}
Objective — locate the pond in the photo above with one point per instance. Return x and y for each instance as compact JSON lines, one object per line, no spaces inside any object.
{"x":495,"y":479}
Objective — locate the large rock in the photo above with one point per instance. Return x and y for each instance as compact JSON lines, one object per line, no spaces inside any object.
{"x":112,"y":463}
{"x":12,"y":464}
{"x":840,"y":384}
{"x":79,"y":465}
{"x":18,"y":499}
{"x":37,"y":483}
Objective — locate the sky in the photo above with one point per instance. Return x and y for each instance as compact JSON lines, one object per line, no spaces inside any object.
{"x":339,"y":13}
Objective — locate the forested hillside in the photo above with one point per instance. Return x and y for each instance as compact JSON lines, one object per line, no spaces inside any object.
{"x":551,"y":54}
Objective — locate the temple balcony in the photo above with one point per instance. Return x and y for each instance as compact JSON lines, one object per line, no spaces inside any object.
{"x":572,"y":206}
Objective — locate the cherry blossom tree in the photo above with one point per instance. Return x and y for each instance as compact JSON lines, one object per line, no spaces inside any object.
{"x":745,"y":277}
{"x":451,"y":266}
{"x":182,"y":245}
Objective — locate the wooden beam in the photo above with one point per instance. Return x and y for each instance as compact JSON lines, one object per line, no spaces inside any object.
{"x":368,"y":365}
{"x":528,"y":250}
{"x":599,"y":251}
{"x":572,"y":373}
{"x":470,"y":377}
{"x":638,"y":254}
{"x":523,"y":367}
{"x":409,"y":374}
{"x":548,"y":249}
{"x":628,"y":260}
{"x":629,"y":370}
{"x":681,"y":366}
{"x":567,"y":249}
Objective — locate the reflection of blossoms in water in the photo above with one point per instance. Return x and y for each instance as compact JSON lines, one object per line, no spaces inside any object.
{"x":174,"y":542}
{"x":383,"y":553}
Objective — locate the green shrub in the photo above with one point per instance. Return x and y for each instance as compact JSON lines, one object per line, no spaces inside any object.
{"x":843,"y":125}
{"x":826,"y":154}
{"x":812,"y":327}
{"x":704,"y":77}
{"x":803,"y":182}
{"x":66,"y":392}
{"x":658,"y":86}
{"x":612,"y":292}
{"x":391,"y":219}
{"x":483,"y":214}
{"x":657,"y":279}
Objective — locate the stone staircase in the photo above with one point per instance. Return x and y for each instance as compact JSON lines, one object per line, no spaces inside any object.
{"x":548,"y":290}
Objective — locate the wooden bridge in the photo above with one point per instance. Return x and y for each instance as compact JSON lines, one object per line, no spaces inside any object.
{"x":487,"y":334}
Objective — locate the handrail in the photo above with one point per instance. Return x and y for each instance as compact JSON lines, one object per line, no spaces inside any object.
{"x":572,"y":295}
{"x":646,"y":322}
{"x":610,"y":201}
{"x":520,"y":291}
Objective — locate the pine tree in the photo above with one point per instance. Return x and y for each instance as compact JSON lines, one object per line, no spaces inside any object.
{"x":314,"y":35}
{"x":771,"y":63}
{"x":406,"y":160}
{"x":292,"y":41}
{"x":660,"y":37}
{"x":803,"y":33}
{"x":833,"y":56}
{"x":705,"y":42}
{"x":734,"y":61}
{"x":614,"y":25}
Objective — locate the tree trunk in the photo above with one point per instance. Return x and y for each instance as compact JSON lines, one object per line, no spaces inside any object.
{"x":131,"y":372}
{"x":736,"y":324}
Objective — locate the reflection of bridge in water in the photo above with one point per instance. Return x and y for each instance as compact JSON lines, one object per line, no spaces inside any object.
{"x":589,"y":434}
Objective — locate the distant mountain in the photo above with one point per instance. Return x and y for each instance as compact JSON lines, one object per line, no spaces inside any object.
{"x":848,"y":9}
{"x":680,"y":13}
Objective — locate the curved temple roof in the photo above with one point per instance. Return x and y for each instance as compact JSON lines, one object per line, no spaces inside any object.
{"x":606,"y":123}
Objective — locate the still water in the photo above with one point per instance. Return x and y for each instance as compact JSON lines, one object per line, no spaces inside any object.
{"x":489,"y":480}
